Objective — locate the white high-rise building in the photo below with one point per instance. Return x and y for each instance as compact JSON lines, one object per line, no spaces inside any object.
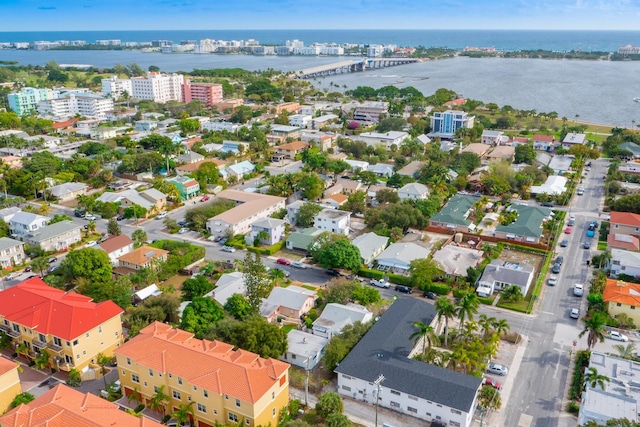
{"x":158,"y":87}
{"x":85,"y":104}
{"x":113,"y":87}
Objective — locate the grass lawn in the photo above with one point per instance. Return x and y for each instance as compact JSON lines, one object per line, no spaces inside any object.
{"x":309,"y":287}
{"x":520,"y":306}
{"x":288,"y":328}
{"x":488,"y":300}
{"x":602,"y":246}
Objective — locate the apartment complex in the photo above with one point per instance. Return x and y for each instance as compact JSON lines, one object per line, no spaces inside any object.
{"x":158,"y":87}
{"x":9,"y":383}
{"x":85,"y":104}
{"x":26,"y":101}
{"x":207,"y":93}
{"x":445,"y":124}
{"x":114,"y":87}
{"x":225,"y":385}
{"x":72,"y":328}
{"x":250,"y":207}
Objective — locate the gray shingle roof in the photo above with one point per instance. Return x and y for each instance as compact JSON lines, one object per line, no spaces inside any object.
{"x":53,"y":230}
{"x":384,"y":350}
{"x":7,"y":243}
{"x":505,"y":272}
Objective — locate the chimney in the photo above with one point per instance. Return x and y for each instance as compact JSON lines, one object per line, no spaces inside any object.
{"x":304,"y":340}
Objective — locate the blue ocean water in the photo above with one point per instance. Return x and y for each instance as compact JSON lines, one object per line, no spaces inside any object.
{"x":500,"y":39}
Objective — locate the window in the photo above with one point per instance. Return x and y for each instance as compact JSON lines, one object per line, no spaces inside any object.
{"x":455,"y":411}
{"x":226,"y":396}
{"x":233,"y":417}
{"x":273,"y":412}
{"x":439,"y":406}
{"x":145,"y":383}
{"x":347,"y":377}
{"x":87,"y":335}
{"x":75,"y":342}
{"x":618,"y":304}
{"x":238,"y":403}
{"x":201,"y":408}
{"x":99,"y":329}
{"x":397,"y":393}
{"x":42,"y":338}
{"x":189,"y":398}
{"x":176,"y":395}
{"x":84,"y":352}
{"x":273,"y":395}
{"x":410,"y":409}
{"x":412,"y":397}
{"x":205,"y":393}
{"x":293,"y":356}
{"x":124,"y":372}
{"x":247,"y":421}
{"x":128,"y":361}
{"x":150,"y":372}
{"x":215,"y":412}
{"x":16,"y":327}
{"x":454,"y":423}
{"x":344,"y":387}
{"x":135,"y":378}
{"x":394,"y":404}
{"x":179,"y":380}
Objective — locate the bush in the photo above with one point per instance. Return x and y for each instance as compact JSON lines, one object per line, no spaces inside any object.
{"x":139,"y":408}
{"x":573,"y":408}
{"x":459,"y":292}
{"x":440,"y":288}
{"x":582,"y":361}
{"x":400,"y":280}
{"x":371,"y":274}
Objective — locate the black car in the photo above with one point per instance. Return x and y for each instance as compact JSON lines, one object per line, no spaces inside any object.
{"x":587,"y":245}
{"x":332,"y":272}
{"x":404,"y":289}
{"x":547,"y":205}
{"x":79,"y":213}
{"x":119,"y":217}
{"x":430,"y":295}
{"x":559,"y":260}
{"x":556,"y":268}
{"x":564,"y":243}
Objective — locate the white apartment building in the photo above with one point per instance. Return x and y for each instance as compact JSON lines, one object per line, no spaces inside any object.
{"x":85,"y":104}
{"x":113,"y":87}
{"x":333,"y":220}
{"x":300,"y":120}
{"x":158,"y":87}
{"x":384,"y":139}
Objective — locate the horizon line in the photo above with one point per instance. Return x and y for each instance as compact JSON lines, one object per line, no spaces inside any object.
{"x":325,"y":29}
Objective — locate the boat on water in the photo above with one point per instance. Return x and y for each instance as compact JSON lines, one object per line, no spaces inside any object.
{"x":636,"y":99}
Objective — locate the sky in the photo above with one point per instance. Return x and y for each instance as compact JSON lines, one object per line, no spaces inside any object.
{"x":79,"y":15}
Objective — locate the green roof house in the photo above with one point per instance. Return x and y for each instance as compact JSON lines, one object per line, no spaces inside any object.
{"x":188,"y":187}
{"x":301,"y":239}
{"x":528,"y":225}
{"x":455,"y":214}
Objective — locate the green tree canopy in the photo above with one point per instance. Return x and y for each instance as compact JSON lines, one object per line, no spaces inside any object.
{"x":196,"y":287}
{"x":306,"y":213}
{"x":238,"y":306}
{"x":423,"y":272}
{"x":329,"y":403}
{"x":253,"y":334}
{"x":525,"y":154}
{"x":200,"y":314}
{"x":334,"y":250}
{"x":89,"y":264}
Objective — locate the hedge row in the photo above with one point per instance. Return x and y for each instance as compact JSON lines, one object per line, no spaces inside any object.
{"x":582,"y":361}
{"x":371,"y":274}
{"x":270,"y":250}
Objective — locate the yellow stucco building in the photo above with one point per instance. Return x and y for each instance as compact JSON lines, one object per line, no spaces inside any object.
{"x":9,"y":383}
{"x":225,"y":386}
{"x":622,"y":298}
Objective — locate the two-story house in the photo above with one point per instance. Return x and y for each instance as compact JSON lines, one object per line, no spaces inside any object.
{"x":71,"y":327}
{"x":543,"y":142}
{"x":268,"y":231}
{"x":625,"y":223}
{"x":249,"y":208}
{"x":11,"y":252}
{"x":224,"y":386}
{"x":9,"y":383}
{"x":289,"y":303}
{"x":27,"y":222}
{"x":333,"y":220}
{"x":622,"y":298}
{"x":188,"y":187}
{"x":143,"y":257}
{"x":624,"y":262}
{"x":55,"y":237}
{"x":414,"y":190}
{"x":116,"y":246}
{"x":290,"y":150}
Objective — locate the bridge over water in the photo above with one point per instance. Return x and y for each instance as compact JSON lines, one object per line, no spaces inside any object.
{"x":352,"y":66}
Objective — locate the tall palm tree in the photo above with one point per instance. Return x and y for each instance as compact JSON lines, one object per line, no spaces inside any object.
{"x":466,"y":307}
{"x":593,"y":379}
{"x":486,"y":324}
{"x":182,"y":413}
{"x":158,"y":400}
{"x":594,"y":327}
{"x":447,"y":311}
{"x":426,"y":333}
{"x":40,"y":265}
{"x":501,"y":326}
{"x":626,"y":351}
{"x":103,"y":360}
{"x":276,"y":274}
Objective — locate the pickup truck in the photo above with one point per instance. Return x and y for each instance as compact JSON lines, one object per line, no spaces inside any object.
{"x":380,"y":283}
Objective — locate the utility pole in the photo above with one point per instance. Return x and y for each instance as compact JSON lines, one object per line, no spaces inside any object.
{"x":306,"y":385}
{"x":377,"y":382}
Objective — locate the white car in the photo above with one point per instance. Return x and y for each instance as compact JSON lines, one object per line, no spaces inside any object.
{"x":298,"y":264}
{"x":572,"y":217}
{"x":553,"y":280}
{"x":578,"y":289}
{"x":90,"y":244}
{"x":380,"y":283}
{"x":90,"y":217}
{"x":161,"y":215}
{"x":183,"y":230}
{"x":617,"y":336}
{"x":496,"y":368}
{"x":228,"y":249}
{"x":575,"y":313}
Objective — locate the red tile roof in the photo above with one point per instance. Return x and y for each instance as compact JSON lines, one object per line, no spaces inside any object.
{"x":623,"y":241}
{"x":65,"y":124}
{"x":114,"y":243}
{"x":625,"y":218}
{"x":47,"y":310}
{"x":622,"y":292}
{"x":63,"y":406}
{"x":211,"y":365}
{"x":543,"y":138}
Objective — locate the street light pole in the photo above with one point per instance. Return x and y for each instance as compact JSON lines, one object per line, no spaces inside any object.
{"x":377,"y":382}
{"x":306,"y":385}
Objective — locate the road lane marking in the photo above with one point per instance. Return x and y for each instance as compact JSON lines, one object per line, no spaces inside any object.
{"x":547,"y":312}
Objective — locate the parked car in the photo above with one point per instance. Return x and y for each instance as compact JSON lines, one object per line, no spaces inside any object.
{"x":228,"y":249}
{"x":52,"y":269}
{"x":568,"y":230}
{"x":553,"y":280}
{"x":286,"y":272}
{"x":205,"y":199}
{"x":90,"y":217}
{"x":119,"y":217}
{"x":487,"y":381}
{"x":430,"y":295}
{"x":587,"y":245}
{"x":571,"y":222}
{"x":28,"y":269}
{"x":161,"y":215}
{"x":404,"y":289}
{"x":52,"y":259}
{"x":298,"y":264}
{"x":593,"y":224}
{"x":79,"y":213}
{"x":496,"y":368}
{"x":90,"y":244}
{"x":591,"y":232}
{"x":578,"y":289}
{"x":580,"y":191}
{"x":183,"y":230}
{"x":217,"y":239}
{"x":564,"y":243}
{"x":334,"y":273}
{"x":379,"y":283}
{"x":575,"y":313}
{"x":556,"y":269}
{"x":617,"y":336}
{"x":572,"y":217}
{"x":283,"y":261}
{"x":547,"y":205}
{"x":559,"y":260}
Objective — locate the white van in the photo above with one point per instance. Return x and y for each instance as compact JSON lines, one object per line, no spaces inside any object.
{"x":578,"y":289}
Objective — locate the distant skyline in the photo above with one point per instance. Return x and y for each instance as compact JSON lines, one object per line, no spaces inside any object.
{"x":92,"y":15}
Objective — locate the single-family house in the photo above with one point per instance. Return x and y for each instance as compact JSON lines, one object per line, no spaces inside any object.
{"x":455,"y":259}
{"x":190,"y":157}
{"x":7,"y":213}
{"x":618,"y":398}
{"x":370,"y":245}
{"x":625,"y":223}
{"x":116,"y":246}
{"x":626,"y":242}
{"x":502,"y":152}
{"x":624,"y":262}
{"x":27,"y":222}
{"x":499,"y":275}
{"x":68,"y":191}
{"x":304,"y":350}
{"x":491,"y":137}
{"x":300,"y":240}
{"x":412,"y":169}
{"x":357,"y":165}
{"x":528,"y":225}
{"x":381,"y":169}
{"x":292,"y":149}
{"x":335,"y":317}
{"x":335,"y":200}
{"x":268,"y":231}
{"x":279,"y":133}
{"x":240,"y":169}
{"x":289,"y":303}
{"x":519,"y":140}
{"x":622,"y":298}
{"x":54,"y":237}
{"x":293,"y":208}
{"x":188,"y":187}
{"x":11,"y":252}
{"x":413,"y":191}
{"x":398,"y":256}
{"x":145,"y":125}
{"x":227,"y":285}
{"x":300,"y":120}
{"x":193,"y":167}
{"x":249,"y":208}
{"x":480,"y":150}
{"x":543,"y":142}
{"x":455,"y":214}
{"x":129,"y":197}
{"x":143,"y":257}
{"x":13,"y":162}
{"x":572,"y":139}
{"x":386,"y":140}
{"x":333,"y":220}
{"x":346,"y":186}
{"x":380,"y":369}
{"x":553,"y":186}
{"x":561,"y":164}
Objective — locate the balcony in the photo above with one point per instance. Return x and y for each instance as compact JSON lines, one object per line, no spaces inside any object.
{"x":13,"y":334}
{"x":5,"y":329}
{"x":39,"y":344}
{"x":54,"y":347}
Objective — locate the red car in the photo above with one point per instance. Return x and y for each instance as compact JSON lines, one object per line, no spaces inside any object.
{"x":491,"y":382}
{"x":283,"y":261}
{"x":205,"y":199}
{"x":567,"y":230}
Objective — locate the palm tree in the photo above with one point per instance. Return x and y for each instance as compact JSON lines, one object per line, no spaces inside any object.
{"x":158,"y":400}
{"x":426,"y":333}
{"x":501,"y":326}
{"x":182,"y":413}
{"x":593,"y":379}
{"x":626,"y":351}
{"x":276,"y":274}
{"x":486,"y":324}
{"x":445,"y":310}
{"x":42,"y":360}
{"x":44,"y":208}
{"x":135,"y":396}
{"x":40,"y":265}
{"x":594,"y":326}
{"x":103,"y":360}
{"x":466,"y":307}
{"x":263,"y":236}
{"x":91,"y":226}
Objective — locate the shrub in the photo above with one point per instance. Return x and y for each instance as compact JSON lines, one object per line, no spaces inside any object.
{"x":582,"y":361}
{"x":440,"y":289}
{"x":573,"y":408}
{"x":371,"y":274}
{"x":459,"y":292}
{"x":400,"y":280}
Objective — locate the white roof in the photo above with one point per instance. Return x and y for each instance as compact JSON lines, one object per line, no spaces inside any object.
{"x":561,"y":163}
{"x":391,"y":135}
{"x":27,"y":218}
{"x":369,"y":243}
{"x":335,"y":316}
{"x":574,"y":138}
{"x":227,"y":285}
{"x":381,"y":168}
{"x":456,"y":259}
{"x":553,"y":186}
{"x":269,"y":223}
{"x":304,"y":344}
{"x":151,"y":290}
{"x":357,"y":164}
{"x":400,"y":255}
{"x":414,"y":188}
{"x":626,"y":257}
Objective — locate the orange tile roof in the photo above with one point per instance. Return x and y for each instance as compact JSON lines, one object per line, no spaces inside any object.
{"x":623,"y":241}
{"x":293,"y":146}
{"x":7,"y":365}
{"x":114,"y":243}
{"x":622,"y":292}
{"x":138,"y":256}
{"x":625,"y":218}
{"x":456,"y":102}
{"x":65,"y":124}
{"x":339,"y":198}
{"x":63,"y":406}
{"x":211,"y":365}
{"x":192,"y":167}
{"x":47,"y":310}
